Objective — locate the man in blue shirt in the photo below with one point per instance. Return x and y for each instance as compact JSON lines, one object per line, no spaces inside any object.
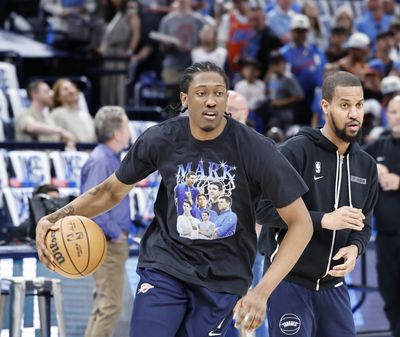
{"x":227,"y":220}
{"x":202,"y":202}
{"x":112,"y":131}
{"x":186,"y":191}
{"x":374,"y":21}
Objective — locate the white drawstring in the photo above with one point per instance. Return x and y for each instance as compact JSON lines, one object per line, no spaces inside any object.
{"x":349,"y":180}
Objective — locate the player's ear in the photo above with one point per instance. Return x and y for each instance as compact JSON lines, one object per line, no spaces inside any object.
{"x":325,"y":106}
{"x":183,"y":97}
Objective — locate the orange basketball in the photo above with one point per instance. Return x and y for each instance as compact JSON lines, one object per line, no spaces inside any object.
{"x":78,"y":247}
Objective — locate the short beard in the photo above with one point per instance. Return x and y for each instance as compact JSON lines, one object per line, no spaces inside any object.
{"x":341,"y":133}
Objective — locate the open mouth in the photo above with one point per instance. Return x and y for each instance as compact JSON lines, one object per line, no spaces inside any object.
{"x":353,"y":126}
{"x":210,"y":114}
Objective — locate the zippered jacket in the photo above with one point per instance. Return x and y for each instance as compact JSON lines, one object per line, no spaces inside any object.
{"x":334,"y":181}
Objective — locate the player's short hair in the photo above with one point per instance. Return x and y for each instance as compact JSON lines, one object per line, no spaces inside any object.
{"x":200,"y":67}
{"x":108,"y":119}
{"x":338,"y":79}
{"x":190,"y":173}
{"x":34,"y":87}
{"x":218,"y":184}
{"x":226,"y":198}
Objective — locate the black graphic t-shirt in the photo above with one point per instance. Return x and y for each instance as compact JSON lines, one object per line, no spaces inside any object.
{"x":203,"y":231}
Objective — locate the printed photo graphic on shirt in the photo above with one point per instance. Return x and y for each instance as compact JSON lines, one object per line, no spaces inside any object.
{"x":203,"y":199}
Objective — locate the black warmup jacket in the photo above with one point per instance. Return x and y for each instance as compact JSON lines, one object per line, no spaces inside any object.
{"x":386,"y":151}
{"x":333,"y":181}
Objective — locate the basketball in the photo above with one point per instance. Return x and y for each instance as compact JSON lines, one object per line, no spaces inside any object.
{"x":78,"y":247}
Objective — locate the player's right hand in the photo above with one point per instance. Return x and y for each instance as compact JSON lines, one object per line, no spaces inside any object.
{"x":345,"y":217}
{"x":45,"y":256}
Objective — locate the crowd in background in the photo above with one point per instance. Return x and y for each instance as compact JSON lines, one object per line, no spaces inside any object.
{"x":275,"y":52}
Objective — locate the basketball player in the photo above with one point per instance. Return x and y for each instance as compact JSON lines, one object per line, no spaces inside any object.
{"x":112,"y":131}
{"x":189,"y":286}
{"x":313,"y":299}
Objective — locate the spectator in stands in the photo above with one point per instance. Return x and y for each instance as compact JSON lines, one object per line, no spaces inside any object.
{"x":184,"y":25}
{"x":280,"y":19}
{"x":372,"y":79}
{"x":112,"y":131}
{"x":344,"y":17}
{"x":284,"y":94}
{"x":263,"y":41}
{"x":395,"y":29}
{"x":66,"y":112}
{"x":120,"y":41}
{"x":384,"y":44}
{"x":386,"y":151}
{"x":317,"y":34}
{"x":234,"y":33}
{"x":306,"y":62}
{"x":34,"y":124}
{"x":318,"y":117}
{"x":251,"y":86}
{"x":390,"y":87}
{"x":356,"y":61}
{"x":336,"y":49}
{"x":372,"y":119}
{"x":374,"y":20}
{"x":69,"y":21}
{"x":208,"y":49}
{"x":389,"y":7}
{"x":236,"y":105}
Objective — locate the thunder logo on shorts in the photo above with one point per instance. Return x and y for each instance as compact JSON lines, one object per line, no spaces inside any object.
{"x":203,"y":199}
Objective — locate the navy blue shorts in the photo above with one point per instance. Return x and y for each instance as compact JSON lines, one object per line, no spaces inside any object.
{"x":167,"y":307}
{"x":297,"y":311}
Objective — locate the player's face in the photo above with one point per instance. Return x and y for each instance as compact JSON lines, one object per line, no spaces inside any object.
{"x":190,"y":180}
{"x":222,"y":204}
{"x":345,"y":114}
{"x":186,"y":208}
{"x":202,"y":201}
{"x":206,"y":103}
{"x":213,"y":191}
{"x":393,"y":113}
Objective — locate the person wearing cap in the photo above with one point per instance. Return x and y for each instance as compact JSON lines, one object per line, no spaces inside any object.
{"x":372,"y":79}
{"x":372,"y":118}
{"x":386,"y":151}
{"x":374,"y":20}
{"x":306,"y":61}
{"x":358,"y":49}
{"x":390,"y":87}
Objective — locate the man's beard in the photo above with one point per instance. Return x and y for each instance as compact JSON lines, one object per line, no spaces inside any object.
{"x":341,"y":133}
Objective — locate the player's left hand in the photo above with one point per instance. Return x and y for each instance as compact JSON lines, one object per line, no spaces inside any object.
{"x":250,"y":310}
{"x":349,"y":255}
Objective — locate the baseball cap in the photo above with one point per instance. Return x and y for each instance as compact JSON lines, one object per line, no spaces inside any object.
{"x":373,"y":107}
{"x":376,"y":65}
{"x":358,"y":40}
{"x":300,"y":21}
{"x":390,"y":84}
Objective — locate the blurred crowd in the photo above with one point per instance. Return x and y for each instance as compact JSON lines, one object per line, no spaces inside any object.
{"x":276,"y":52}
